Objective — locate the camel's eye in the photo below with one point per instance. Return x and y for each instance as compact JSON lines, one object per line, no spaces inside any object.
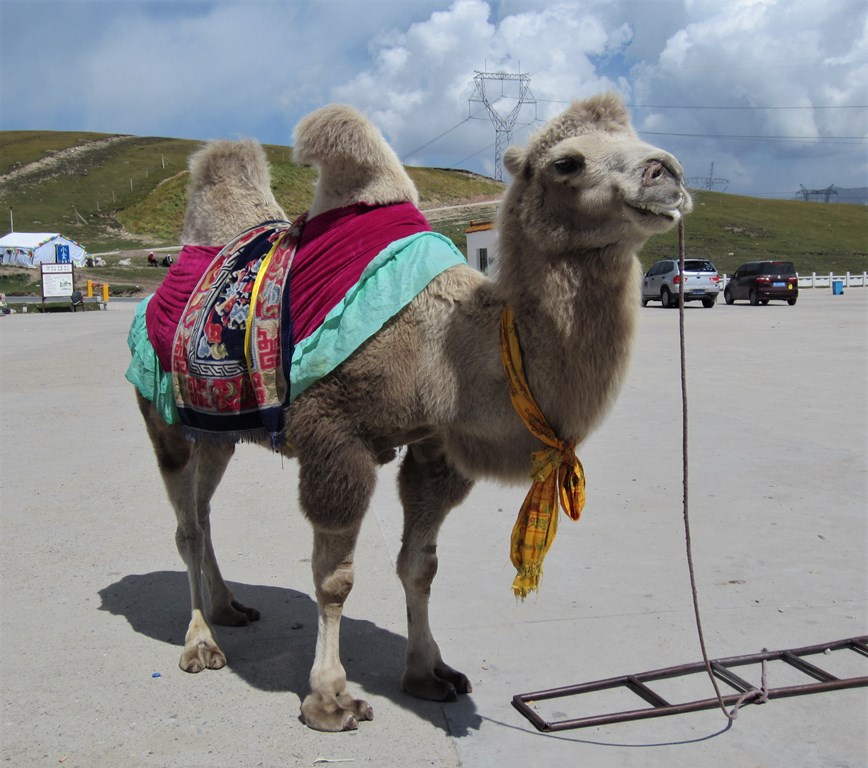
{"x":569,"y":165}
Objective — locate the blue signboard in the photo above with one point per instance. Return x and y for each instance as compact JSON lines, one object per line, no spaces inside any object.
{"x":61,"y":254}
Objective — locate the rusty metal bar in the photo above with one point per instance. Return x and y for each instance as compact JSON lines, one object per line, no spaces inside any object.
{"x":809,"y":669}
{"x":720,"y":667}
{"x":640,"y":689}
{"x":730,"y":678}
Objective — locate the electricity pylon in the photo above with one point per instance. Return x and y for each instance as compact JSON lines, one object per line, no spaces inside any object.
{"x":503,"y":124}
{"x":707,"y":182}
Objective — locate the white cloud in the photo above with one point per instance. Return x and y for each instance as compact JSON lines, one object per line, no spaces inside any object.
{"x":774,"y":53}
{"x":200,"y":69}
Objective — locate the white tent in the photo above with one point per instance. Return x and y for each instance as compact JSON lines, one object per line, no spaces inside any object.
{"x":30,"y":249}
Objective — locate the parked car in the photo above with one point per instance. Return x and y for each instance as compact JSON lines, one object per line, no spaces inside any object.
{"x":661,"y":282}
{"x":762,"y":281}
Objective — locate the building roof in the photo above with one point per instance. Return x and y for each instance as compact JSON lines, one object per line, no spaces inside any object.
{"x":479,"y":226}
{"x":27,"y":239}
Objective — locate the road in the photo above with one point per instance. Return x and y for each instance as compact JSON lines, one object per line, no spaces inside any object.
{"x":95,"y":600}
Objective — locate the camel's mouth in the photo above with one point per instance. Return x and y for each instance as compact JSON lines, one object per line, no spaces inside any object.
{"x":650,"y":209}
{"x":671,"y":210}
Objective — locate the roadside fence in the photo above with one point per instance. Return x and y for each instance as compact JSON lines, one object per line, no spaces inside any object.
{"x":847,"y":280}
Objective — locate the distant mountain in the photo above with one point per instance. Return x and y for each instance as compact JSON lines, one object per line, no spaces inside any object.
{"x":855,"y":195}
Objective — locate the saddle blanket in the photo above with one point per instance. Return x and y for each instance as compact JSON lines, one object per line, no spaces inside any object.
{"x":228,"y":341}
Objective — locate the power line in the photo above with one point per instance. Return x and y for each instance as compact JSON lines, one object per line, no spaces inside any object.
{"x":661,"y":106}
{"x":720,"y":107}
{"x":448,"y":130}
{"x":848,"y":139}
{"x":855,"y":140}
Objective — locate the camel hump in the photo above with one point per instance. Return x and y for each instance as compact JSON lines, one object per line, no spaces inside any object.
{"x":339,"y":132}
{"x":355,"y":161}
{"x":229,"y":191}
{"x":223,"y":161}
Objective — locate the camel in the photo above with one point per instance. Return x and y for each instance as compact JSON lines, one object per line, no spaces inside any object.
{"x":586,"y":194}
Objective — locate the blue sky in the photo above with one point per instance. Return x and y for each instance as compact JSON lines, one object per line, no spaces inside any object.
{"x":774,"y":93}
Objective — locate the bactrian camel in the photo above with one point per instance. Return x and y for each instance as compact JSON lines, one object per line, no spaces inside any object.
{"x":585,"y":195}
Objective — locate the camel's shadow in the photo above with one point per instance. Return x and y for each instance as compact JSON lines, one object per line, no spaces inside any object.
{"x":276,"y":652}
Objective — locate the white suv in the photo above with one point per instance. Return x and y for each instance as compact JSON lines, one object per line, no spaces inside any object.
{"x":661,"y":282}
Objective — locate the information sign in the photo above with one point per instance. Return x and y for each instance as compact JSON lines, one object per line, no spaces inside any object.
{"x":57,"y":281}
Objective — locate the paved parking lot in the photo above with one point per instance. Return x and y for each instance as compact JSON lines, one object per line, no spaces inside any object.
{"x":94,"y":599}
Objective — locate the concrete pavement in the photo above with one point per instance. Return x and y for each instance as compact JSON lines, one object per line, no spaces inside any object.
{"x":95,"y":603}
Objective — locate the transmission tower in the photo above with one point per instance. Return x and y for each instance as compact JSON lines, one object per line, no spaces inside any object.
{"x":816,"y":194}
{"x":490,"y":97}
{"x":707,"y":182}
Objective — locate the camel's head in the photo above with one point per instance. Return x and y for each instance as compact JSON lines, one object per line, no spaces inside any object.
{"x":356,"y":164}
{"x":586,"y":180}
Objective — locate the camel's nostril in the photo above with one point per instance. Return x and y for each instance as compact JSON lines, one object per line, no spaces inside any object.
{"x":653,"y":171}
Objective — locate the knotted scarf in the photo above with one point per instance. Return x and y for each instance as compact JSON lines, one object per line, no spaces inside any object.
{"x":557,"y":473}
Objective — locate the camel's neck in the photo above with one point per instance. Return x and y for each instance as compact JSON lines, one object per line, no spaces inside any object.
{"x":576,"y":317}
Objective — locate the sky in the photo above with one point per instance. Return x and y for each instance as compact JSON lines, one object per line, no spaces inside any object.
{"x":761,"y":95}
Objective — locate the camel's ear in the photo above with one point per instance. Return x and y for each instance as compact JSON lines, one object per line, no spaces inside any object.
{"x":515,"y":161}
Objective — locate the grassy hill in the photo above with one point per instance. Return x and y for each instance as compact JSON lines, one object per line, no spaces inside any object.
{"x":731,"y":229}
{"x":115,"y":192}
{"x":124,"y":192}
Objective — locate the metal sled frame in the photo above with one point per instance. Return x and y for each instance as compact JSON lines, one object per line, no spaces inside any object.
{"x":722,"y":670}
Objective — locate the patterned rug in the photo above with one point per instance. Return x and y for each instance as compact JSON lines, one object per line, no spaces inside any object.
{"x":227,"y":367}
{"x":280,"y":307}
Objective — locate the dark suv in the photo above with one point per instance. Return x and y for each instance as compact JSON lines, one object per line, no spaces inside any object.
{"x":761,"y":281}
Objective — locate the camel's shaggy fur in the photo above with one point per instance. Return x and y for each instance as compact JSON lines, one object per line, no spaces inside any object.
{"x":586,"y":194}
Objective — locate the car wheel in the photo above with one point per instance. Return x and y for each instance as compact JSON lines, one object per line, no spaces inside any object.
{"x":727,"y":296}
{"x":791,"y":302}
{"x":753,"y":298}
{"x":708,"y":301}
{"x":644,"y":302}
{"x":666,"y":297}
{"x":764,"y":301}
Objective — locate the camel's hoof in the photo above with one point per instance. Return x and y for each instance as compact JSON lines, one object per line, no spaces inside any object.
{"x":334,"y":714}
{"x":359,"y":707}
{"x":234,"y":615}
{"x":202,"y":656}
{"x":443,"y":684}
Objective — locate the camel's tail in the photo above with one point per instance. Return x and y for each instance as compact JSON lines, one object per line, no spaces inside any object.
{"x":229,"y":191}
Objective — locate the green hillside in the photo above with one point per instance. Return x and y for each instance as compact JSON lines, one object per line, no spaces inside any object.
{"x":125,"y":192}
{"x":112,"y":192}
{"x":731,"y":229}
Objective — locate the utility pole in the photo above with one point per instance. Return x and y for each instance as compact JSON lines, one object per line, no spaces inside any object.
{"x":503,"y":123}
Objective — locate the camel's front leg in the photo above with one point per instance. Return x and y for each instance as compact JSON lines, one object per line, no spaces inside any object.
{"x":429,"y":487}
{"x":336,"y":478}
{"x":329,"y":706}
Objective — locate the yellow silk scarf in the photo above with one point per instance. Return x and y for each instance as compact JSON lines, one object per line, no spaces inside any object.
{"x":556,"y":472}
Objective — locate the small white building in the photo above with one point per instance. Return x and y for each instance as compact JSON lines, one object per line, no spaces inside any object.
{"x":482,"y":247}
{"x":30,"y":249}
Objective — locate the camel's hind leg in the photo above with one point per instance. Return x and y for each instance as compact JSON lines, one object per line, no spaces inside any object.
{"x":191,"y":473}
{"x":429,"y":487}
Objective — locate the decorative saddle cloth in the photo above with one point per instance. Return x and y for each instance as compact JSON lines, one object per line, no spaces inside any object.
{"x":278,"y":308}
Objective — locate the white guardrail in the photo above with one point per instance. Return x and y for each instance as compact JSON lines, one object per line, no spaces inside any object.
{"x":848,"y":279}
